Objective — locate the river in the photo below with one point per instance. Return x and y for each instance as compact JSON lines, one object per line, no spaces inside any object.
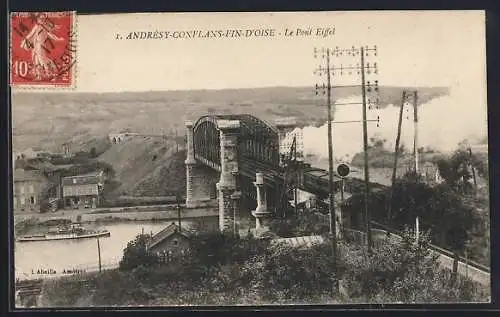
{"x":42,"y":259}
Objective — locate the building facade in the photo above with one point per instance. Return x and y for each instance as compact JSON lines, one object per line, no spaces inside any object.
{"x":172,"y":243}
{"x":83,"y":191}
{"x":28,"y":190}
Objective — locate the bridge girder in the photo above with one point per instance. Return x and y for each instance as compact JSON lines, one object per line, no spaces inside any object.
{"x":258,"y":141}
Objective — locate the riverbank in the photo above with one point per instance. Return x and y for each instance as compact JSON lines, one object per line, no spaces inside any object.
{"x":73,"y":214}
{"x":38,"y":223}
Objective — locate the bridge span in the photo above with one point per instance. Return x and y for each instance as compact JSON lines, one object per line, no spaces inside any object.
{"x":237,"y":157}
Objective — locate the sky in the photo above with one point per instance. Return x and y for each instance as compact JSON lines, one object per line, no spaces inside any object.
{"x":415,"y":48}
{"x":422,"y":48}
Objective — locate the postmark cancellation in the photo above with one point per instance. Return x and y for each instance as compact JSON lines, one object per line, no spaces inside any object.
{"x":43,"y":49}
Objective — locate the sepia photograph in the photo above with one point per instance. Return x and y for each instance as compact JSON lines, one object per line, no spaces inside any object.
{"x":249,"y":159}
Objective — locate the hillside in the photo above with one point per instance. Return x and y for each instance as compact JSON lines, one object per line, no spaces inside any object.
{"x":49,"y":119}
{"x":146,"y":166}
{"x":166,"y":179}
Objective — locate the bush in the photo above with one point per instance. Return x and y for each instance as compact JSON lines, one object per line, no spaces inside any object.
{"x":403,"y":272}
{"x":228,"y":271}
{"x":440,"y":209}
{"x":119,"y":288}
{"x":286,"y":274}
{"x":305,"y":223}
{"x":137,"y":254}
{"x":64,"y":292}
{"x":212,"y":249}
{"x":93,"y":152}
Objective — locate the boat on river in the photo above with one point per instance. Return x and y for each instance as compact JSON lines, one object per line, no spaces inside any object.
{"x":75,"y":231}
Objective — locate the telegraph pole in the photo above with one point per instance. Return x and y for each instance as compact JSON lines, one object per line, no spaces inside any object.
{"x":331,"y":206}
{"x":176,"y":140}
{"x":365,"y":148}
{"x":331,"y":196}
{"x":473,"y":170}
{"x":395,"y":166}
{"x":99,"y":254}
{"x":296,"y":185}
{"x":415,"y":126}
{"x":178,"y":210}
{"x":362,"y":69}
{"x":417,"y":229}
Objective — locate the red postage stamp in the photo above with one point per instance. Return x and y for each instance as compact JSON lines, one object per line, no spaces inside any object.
{"x":42,"y":49}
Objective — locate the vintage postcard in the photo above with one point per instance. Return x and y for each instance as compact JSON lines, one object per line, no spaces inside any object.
{"x":222,"y":159}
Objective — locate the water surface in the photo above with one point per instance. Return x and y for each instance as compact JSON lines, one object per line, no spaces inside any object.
{"x":50,"y":258}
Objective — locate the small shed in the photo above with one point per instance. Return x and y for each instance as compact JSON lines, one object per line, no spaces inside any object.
{"x":171,"y":243}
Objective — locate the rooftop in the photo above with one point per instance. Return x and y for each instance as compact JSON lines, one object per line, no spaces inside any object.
{"x":168,"y":231}
{"x":80,"y":180}
{"x":44,"y":166}
{"x":23,"y":175}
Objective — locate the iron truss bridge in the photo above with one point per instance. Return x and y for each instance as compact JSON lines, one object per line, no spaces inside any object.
{"x":258,"y":147}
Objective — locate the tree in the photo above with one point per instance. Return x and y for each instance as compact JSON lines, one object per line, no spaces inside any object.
{"x":136,"y":253}
{"x":402,"y":149}
{"x":215,"y":248}
{"x":439,"y":208}
{"x":457,"y":170}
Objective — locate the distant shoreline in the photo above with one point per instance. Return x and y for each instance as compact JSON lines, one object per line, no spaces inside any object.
{"x":201,"y":90}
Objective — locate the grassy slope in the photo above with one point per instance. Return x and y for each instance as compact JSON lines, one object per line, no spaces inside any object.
{"x":142,"y":167}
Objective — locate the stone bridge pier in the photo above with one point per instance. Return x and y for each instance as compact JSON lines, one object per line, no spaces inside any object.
{"x":227,"y":186}
{"x":204,"y":184}
{"x":200,"y":180}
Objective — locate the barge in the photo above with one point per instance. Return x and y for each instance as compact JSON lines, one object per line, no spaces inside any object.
{"x":74,"y":232}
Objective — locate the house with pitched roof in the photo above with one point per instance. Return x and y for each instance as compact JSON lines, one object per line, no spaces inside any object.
{"x":172,"y":242}
{"x":29,"y":188}
{"x":83,"y":191}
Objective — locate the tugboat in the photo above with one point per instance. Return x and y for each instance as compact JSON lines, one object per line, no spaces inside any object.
{"x":74,"y":231}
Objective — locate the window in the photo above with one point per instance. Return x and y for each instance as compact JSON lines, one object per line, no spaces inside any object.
{"x":74,"y":180}
{"x":32,"y":189}
{"x":176,"y":242}
{"x":32,"y":200}
{"x":21,"y":189}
